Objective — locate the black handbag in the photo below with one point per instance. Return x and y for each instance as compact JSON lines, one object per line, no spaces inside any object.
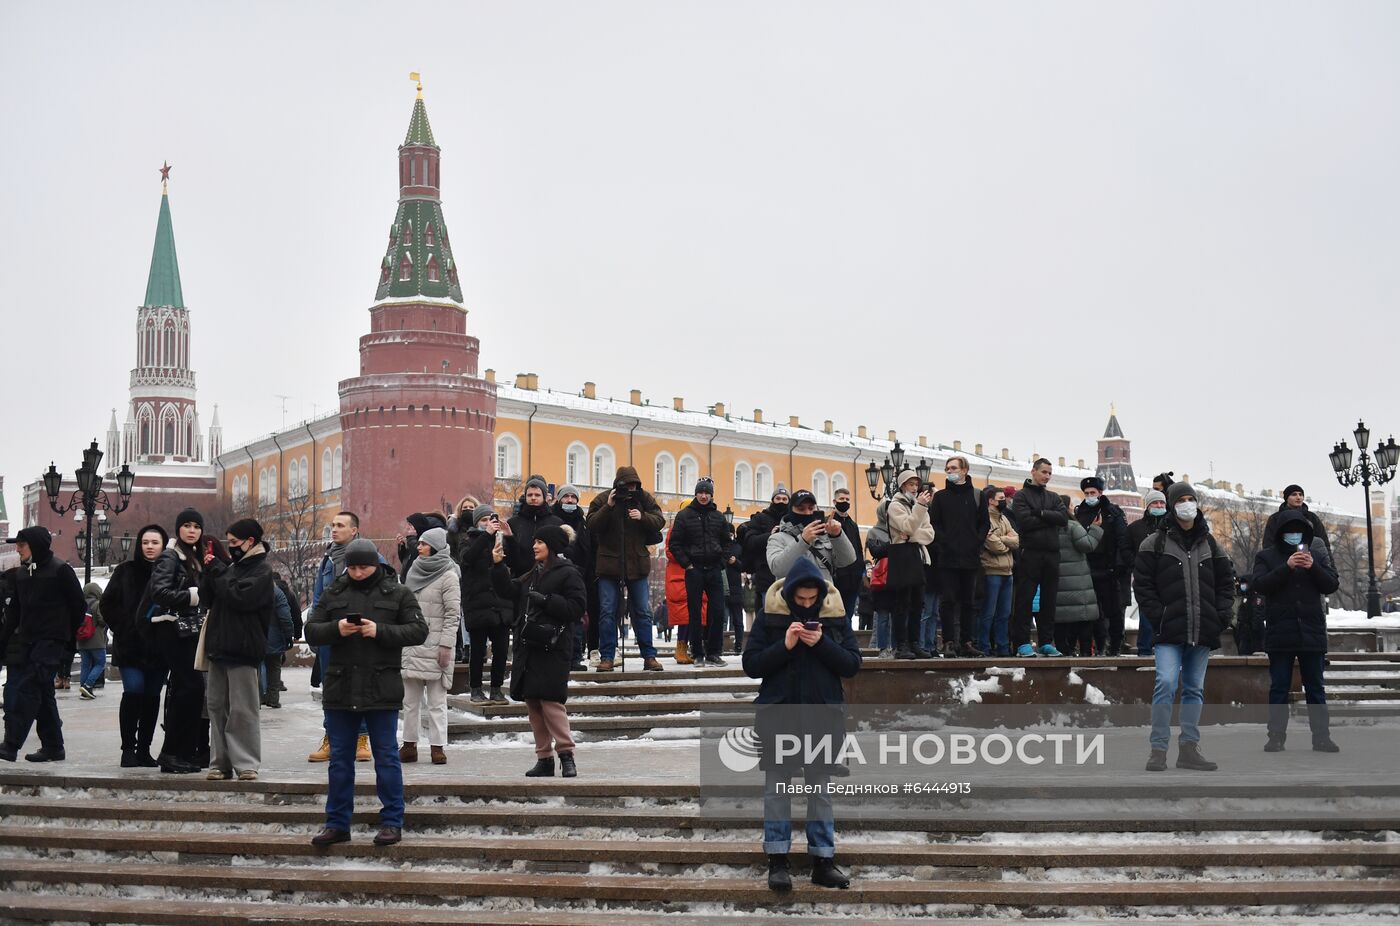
{"x":906,"y":566}
{"x":536,"y":630}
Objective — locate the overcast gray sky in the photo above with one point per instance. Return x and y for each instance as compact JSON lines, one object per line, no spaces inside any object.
{"x":981,"y":221}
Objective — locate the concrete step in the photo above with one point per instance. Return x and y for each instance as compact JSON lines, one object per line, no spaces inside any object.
{"x":643,"y":890}
{"x":610,"y":706}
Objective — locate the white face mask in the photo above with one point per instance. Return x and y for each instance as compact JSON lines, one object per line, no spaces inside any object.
{"x":1186,"y":511}
{"x":954,"y":478}
{"x":1092,"y":501}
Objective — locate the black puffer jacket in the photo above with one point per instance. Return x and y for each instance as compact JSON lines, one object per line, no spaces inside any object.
{"x":700,"y":536}
{"x":520,"y":546}
{"x":46,"y":608}
{"x":1114,"y":555}
{"x":953,"y":512}
{"x":364,"y":673}
{"x":131,"y":636}
{"x":1039,"y":514}
{"x":1185,"y":585}
{"x":1271,"y":527}
{"x":1294,"y":619}
{"x":242,"y":606}
{"x":174,"y":575}
{"x":553,"y":591}
{"x":753,"y":540}
{"x":482,"y":608}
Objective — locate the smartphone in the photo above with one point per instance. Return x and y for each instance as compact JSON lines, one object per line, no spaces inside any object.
{"x":811,"y":625}
{"x":1302,"y":548}
{"x":355,"y":618}
{"x":551,"y":490}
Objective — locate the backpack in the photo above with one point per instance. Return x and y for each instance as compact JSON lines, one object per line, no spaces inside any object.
{"x":87,"y":628}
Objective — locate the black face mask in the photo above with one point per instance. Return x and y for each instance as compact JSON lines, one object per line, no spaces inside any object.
{"x":1002,"y":506}
{"x":805,"y":614}
{"x":780,"y":509}
{"x":236,"y":553}
{"x":843,"y":507}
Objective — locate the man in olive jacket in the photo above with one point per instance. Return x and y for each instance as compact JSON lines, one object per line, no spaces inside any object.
{"x":624,"y":521}
{"x":366,"y":618}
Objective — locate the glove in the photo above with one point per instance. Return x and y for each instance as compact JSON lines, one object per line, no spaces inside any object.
{"x":444,"y":657}
{"x":534,"y":601}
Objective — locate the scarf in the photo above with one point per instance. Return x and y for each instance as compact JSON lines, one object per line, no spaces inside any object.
{"x":336,"y":554}
{"x":426,"y":569}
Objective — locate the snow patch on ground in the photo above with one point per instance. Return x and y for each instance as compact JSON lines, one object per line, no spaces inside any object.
{"x":969,"y":690}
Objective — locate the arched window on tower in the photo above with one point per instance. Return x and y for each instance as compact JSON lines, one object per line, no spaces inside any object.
{"x":428,"y":235}
{"x":169,"y":421}
{"x":408,"y":231}
{"x":146,"y":427}
{"x":406,"y":268}
{"x":432,"y":269}
{"x":168,"y":354}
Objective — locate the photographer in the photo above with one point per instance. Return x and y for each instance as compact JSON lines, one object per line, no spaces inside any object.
{"x":801,"y":648}
{"x":623,"y":522}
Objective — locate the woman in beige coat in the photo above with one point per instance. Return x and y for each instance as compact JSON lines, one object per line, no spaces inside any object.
{"x":911,"y":532}
{"x":427,"y":668}
{"x":998,"y":559}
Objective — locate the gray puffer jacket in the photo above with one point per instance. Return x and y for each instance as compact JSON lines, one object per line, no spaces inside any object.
{"x":1075,"y":602}
{"x":441,"y":601}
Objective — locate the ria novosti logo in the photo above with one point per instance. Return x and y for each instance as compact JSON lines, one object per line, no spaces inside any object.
{"x":738,"y":749}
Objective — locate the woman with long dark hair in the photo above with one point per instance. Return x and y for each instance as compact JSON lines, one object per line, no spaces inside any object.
{"x":134,"y":651}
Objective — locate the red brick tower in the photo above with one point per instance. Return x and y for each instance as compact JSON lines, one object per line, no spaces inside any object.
{"x":418,"y":422}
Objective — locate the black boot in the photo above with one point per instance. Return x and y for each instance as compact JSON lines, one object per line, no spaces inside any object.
{"x":544,"y":768}
{"x":567,"y":768}
{"x":148,"y":718}
{"x":128,"y":719}
{"x":1325,"y":744}
{"x":826,"y":874}
{"x":779,"y":877}
{"x":1275,"y":743}
{"x":1157,"y":761}
{"x":1188,"y":755}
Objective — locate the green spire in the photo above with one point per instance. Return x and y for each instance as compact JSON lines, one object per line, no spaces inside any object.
{"x":419,"y":132}
{"x":163,"y":285}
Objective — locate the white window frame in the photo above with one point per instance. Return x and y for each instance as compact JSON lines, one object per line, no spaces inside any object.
{"x":604,"y":465}
{"x":665,"y":471}
{"x":507,"y":467}
{"x":743,"y":480}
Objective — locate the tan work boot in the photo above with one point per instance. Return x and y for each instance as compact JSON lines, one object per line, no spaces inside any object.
{"x":323,"y":752}
{"x":362,"y":753}
{"x":605,"y":665}
{"x":683,"y":654}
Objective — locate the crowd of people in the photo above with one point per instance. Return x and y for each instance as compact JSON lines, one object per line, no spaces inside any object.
{"x":199,"y":626}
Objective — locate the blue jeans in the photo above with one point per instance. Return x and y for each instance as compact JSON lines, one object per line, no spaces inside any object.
{"x":343,"y":728}
{"x":1310,"y":667}
{"x":777,"y":816}
{"x":1176,"y":660}
{"x":1145,"y":637}
{"x":639,"y":602}
{"x":928,"y":622}
{"x":138,"y":681}
{"x":323,"y":656}
{"x":882,"y":630}
{"x":996,"y":615}
{"x":93,"y":662}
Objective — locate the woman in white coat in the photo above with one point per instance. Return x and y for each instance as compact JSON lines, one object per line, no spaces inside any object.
{"x":427,"y":668}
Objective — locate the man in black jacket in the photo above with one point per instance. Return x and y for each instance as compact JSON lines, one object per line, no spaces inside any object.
{"x":1186,"y":588}
{"x":1293,"y":501}
{"x":242,"y":606}
{"x":1154,"y":518}
{"x":847,"y":579}
{"x":366,"y":618}
{"x":46,"y":607}
{"x":1110,"y":564}
{"x":1039,"y":514}
{"x":957,"y":546}
{"x":753,"y":537}
{"x":699,"y":543}
{"x":534,"y":514}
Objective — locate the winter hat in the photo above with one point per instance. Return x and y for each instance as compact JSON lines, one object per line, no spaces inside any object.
{"x":802,"y":497}
{"x":361,"y":552}
{"x":1150,"y":496}
{"x":554,"y":537}
{"x":1091,"y":482}
{"x":245,"y":529}
{"x":1177,"y":490}
{"x":189,"y":516}
{"x":422,"y":523}
{"x":780,"y":490}
{"x":904,"y":477}
{"x":481,"y":511}
{"x":539,"y":483}
{"x":434,"y":537}
{"x":705,"y":484}
{"x":38,"y":538}
{"x":568,"y":489}
{"x":1289,"y":490}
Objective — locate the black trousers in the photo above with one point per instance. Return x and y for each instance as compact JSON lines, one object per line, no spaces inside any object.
{"x":955,"y":605}
{"x":1108,"y":629}
{"x":184,"y":705}
{"x":707,"y":583}
{"x":1038,"y":569}
{"x":499,"y":638}
{"x":734,"y":608}
{"x":30,"y":701}
{"x":1075,"y":639}
{"x":906,"y":610}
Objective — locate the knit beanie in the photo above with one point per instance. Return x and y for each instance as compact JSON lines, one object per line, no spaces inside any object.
{"x":904,"y":477}
{"x":361,"y":552}
{"x":189,"y":516}
{"x":1289,"y":490}
{"x":481,"y":511}
{"x":435,"y":538}
{"x":1177,"y":490}
{"x":554,"y":537}
{"x":705,"y":484}
{"x":567,"y":489}
{"x":1150,"y":496}
{"x":539,"y":483}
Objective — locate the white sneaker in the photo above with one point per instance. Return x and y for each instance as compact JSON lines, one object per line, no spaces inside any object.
{"x":594,"y":657}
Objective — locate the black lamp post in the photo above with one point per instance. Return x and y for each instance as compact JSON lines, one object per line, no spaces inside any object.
{"x":89,"y":498}
{"x":890,"y":470}
{"x":1378,"y":470}
{"x":923,"y":469}
{"x":127,"y":540}
{"x":728,"y":515}
{"x":104,"y":541}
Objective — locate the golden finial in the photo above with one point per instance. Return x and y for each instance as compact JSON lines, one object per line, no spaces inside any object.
{"x":1112,"y":410}
{"x":414,"y":75}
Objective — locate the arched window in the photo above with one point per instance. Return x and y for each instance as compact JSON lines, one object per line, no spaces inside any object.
{"x":604,"y":466}
{"x":838,"y":481}
{"x":304,"y":479}
{"x":1108,"y":453}
{"x":169,"y":422}
{"x":428,"y":235}
{"x":406,"y":267}
{"x":507,"y":457}
{"x":262,"y":487}
{"x":763,"y":482}
{"x":336,"y":469}
{"x":743,"y":480}
{"x":272,"y":485}
{"x":821,"y":488}
{"x":168,"y":356}
{"x":293,"y":472}
{"x":408,"y":231}
{"x":687,"y":474}
{"x":665,"y":473}
{"x":326,"y":477}
{"x":576,"y":465}
{"x":432,"y":269}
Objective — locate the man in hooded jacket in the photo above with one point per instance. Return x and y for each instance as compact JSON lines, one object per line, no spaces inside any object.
{"x":46,"y":608}
{"x":1294,"y":502}
{"x":623,"y":522}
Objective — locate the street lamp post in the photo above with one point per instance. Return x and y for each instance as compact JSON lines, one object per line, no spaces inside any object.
{"x":1377,"y":470}
{"x":90,"y":499}
{"x":890,"y":470}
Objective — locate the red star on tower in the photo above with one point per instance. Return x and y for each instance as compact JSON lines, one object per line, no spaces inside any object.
{"x":164,"y":171}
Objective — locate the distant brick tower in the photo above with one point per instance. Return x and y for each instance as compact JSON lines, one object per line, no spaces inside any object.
{"x":162,"y":425}
{"x":1115,"y":468}
{"x":418,"y":422}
